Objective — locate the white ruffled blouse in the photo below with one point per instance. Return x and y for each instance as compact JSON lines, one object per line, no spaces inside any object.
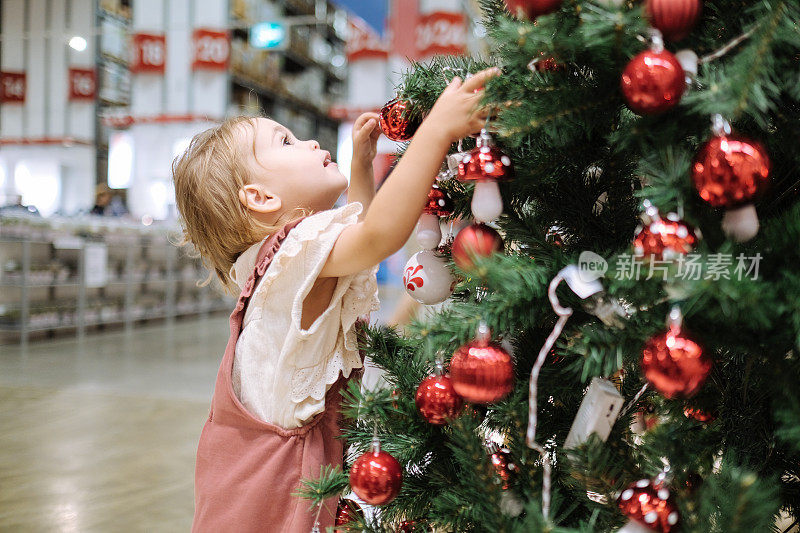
{"x":281,"y":372}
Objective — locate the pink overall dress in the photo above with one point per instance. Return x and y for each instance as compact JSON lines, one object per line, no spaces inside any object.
{"x":247,"y":469}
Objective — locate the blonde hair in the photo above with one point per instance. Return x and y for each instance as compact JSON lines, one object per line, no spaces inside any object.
{"x":207,"y":177}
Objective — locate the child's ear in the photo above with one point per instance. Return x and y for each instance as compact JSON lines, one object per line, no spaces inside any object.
{"x":256,"y":198}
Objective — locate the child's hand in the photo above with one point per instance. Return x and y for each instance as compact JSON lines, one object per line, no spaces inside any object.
{"x":456,"y":113}
{"x":365,"y":139}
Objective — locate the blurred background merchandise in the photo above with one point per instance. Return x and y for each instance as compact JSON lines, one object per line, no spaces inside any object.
{"x":97,"y":97}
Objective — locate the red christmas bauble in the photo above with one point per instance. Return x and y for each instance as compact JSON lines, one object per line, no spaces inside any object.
{"x":532,"y":8}
{"x":482,"y":372}
{"x":699,"y":414}
{"x":398,"y":120}
{"x":675,"y":364}
{"x":477,"y":240}
{"x":545,"y":63}
{"x":674,"y":18}
{"x":653,"y":82}
{"x":503,"y":465}
{"x":439,"y":203}
{"x":348,"y":511}
{"x":651,"y":505}
{"x":437,"y":401}
{"x":376,"y":477}
{"x":665,"y":238}
{"x":485,"y":162}
{"x":409,"y":526}
{"x":730,"y":170}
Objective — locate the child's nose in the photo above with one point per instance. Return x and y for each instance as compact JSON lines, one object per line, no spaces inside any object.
{"x":314,"y":145}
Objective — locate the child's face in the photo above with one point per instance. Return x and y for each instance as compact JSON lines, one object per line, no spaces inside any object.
{"x":298,"y":172}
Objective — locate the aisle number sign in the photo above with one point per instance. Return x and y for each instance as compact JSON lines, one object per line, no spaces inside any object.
{"x":268,"y":35}
{"x":212,"y":49}
{"x":12,"y":87}
{"x":82,"y":84}
{"x":148,"y":53}
{"x":441,"y":33}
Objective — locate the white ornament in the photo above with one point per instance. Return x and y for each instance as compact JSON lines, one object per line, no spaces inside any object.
{"x":597,"y":413}
{"x":634,"y":527}
{"x":741,"y":223}
{"x":427,"y":278}
{"x":487,"y":204}
{"x":688,"y":60}
{"x":429,"y":233}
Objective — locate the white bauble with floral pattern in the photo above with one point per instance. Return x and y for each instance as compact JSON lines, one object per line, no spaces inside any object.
{"x":427,"y":278}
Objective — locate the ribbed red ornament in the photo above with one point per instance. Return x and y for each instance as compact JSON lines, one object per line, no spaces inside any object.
{"x":482,"y":372}
{"x":398,"y":120}
{"x":675,"y":18}
{"x":439,"y":203}
{"x":665,"y":238}
{"x":650,"y":505}
{"x":730,"y":170}
{"x":376,"y":478}
{"x":348,"y":511}
{"x":653,"y":82}
{"x":437,"y":401}
{"x":477,"y":240}
{"x":532,"y":8}
{"x":674,"y":364}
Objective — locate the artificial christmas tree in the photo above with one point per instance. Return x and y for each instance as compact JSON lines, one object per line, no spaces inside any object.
{"x":584,"y":162}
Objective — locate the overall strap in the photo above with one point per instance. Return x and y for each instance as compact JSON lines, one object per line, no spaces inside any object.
{"x":263,"y":260}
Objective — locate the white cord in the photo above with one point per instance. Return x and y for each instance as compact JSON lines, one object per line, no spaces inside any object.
{"x":564,"y":313}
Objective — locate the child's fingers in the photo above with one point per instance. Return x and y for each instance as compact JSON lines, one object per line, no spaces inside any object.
{"x":362,"y":120}
{"x":454,"y":84}
{"x":479,"y":80}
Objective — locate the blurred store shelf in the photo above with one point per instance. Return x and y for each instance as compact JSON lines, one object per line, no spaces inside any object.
{"x":84,"y":273}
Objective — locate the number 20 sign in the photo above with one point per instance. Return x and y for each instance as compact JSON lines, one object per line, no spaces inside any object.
{"x":148,"y":53}
{"x":212,"y":49}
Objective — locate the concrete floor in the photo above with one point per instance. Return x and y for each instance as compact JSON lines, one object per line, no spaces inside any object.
{"x":100,"y":435}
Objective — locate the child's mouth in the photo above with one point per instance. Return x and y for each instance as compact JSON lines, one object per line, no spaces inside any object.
{"x":327,"y":160}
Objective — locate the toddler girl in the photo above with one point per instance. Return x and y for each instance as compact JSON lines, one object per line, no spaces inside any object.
{"x":257,"y":204}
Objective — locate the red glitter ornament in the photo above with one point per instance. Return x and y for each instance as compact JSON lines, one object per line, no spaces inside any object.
{"x":545,"y":63}
{"x":503,"y":465}
{"x":485,"y":162}
{"x":477,"y":240}
{"x":730,"y":170}
{"x":650,"y":505}
{"x":439,"y":203}
{"x":532,"y":8}
{"x":398,"y":120}
{"x":665,"y":238}
{"x":482,"y":371}
{"x":348,"y":511}
{"x":437,"y":401}
{"x":700,"y":415}
{"x":376,"y":477}
{"x":653,"y":82}
{"x":675,"y":364}
{"x":674,"y":18}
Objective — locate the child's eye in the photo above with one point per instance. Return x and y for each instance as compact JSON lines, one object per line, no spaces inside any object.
{"x":286,"y":140}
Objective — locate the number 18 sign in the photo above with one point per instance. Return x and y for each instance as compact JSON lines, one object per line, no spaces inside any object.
{"x":148,"y":53}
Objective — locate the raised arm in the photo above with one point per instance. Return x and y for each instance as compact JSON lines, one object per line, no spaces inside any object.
{"x":362,"y":177}
{"x":394,"y":211}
